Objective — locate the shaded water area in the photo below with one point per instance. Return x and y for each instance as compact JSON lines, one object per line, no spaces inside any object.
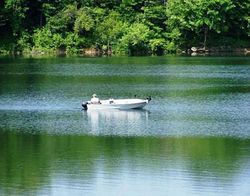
{"x":192,"y":139}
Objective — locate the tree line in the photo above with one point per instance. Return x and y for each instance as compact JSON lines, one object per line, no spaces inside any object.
{"x":122,"y":26}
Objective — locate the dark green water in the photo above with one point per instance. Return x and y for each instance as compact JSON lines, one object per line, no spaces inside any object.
{"x":192,"y":139}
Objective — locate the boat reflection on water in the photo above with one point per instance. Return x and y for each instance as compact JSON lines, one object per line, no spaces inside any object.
{"x":117,"y":122}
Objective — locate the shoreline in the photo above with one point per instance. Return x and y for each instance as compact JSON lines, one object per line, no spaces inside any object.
{"x":92,"y":52}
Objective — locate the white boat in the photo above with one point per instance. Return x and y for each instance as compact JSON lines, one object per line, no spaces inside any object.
{"x":122,"y":104}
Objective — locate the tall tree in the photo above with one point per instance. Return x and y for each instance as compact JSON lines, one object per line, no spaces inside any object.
{"x":110,"y":29}
{"x":196,"y":18}
{"x":15,"y":10}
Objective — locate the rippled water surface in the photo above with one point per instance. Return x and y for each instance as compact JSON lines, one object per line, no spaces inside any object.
{"x":192,"y":139}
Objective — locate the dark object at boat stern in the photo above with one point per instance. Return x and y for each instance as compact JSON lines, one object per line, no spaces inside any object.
{"x":84,"y":105}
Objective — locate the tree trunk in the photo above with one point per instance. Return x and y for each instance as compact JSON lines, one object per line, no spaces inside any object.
{"x":108,"y":48}
{"x":205,"y":37}
{"x":41,"y":18}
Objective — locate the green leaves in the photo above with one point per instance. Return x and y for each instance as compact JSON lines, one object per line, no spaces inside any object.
{"x":109,"y":30}
{"x":135,"y":39}
{"x":194,"y":17}
{"x":84,"y":22}
{"x":64,"y":20}
{"x":15,"y":14}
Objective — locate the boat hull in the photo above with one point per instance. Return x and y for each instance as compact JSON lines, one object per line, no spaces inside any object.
{"x":119,"y":104}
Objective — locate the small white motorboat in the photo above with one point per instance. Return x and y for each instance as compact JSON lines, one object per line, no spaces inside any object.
{"x":122,"y":104}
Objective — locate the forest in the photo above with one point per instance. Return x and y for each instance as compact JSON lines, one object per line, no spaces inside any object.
{"x":122,"y":27}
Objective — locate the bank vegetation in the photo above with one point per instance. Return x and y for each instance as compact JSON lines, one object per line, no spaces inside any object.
{"x":127,"y":27}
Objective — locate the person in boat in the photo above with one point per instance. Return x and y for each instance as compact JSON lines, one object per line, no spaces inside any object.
{"x":95,"y":100}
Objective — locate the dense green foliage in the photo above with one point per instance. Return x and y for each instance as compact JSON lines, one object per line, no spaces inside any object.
{"x":123,"y":26}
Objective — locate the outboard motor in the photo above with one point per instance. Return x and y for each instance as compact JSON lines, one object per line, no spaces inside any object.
{"x":84,"y":105}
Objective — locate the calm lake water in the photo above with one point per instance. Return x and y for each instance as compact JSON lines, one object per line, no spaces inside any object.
{"x":192,"y":139}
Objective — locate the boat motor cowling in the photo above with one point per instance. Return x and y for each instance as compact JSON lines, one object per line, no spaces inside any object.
{"x":84,"y":105}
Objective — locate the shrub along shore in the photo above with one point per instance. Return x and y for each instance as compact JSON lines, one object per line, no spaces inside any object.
{"x":124,"y":27}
